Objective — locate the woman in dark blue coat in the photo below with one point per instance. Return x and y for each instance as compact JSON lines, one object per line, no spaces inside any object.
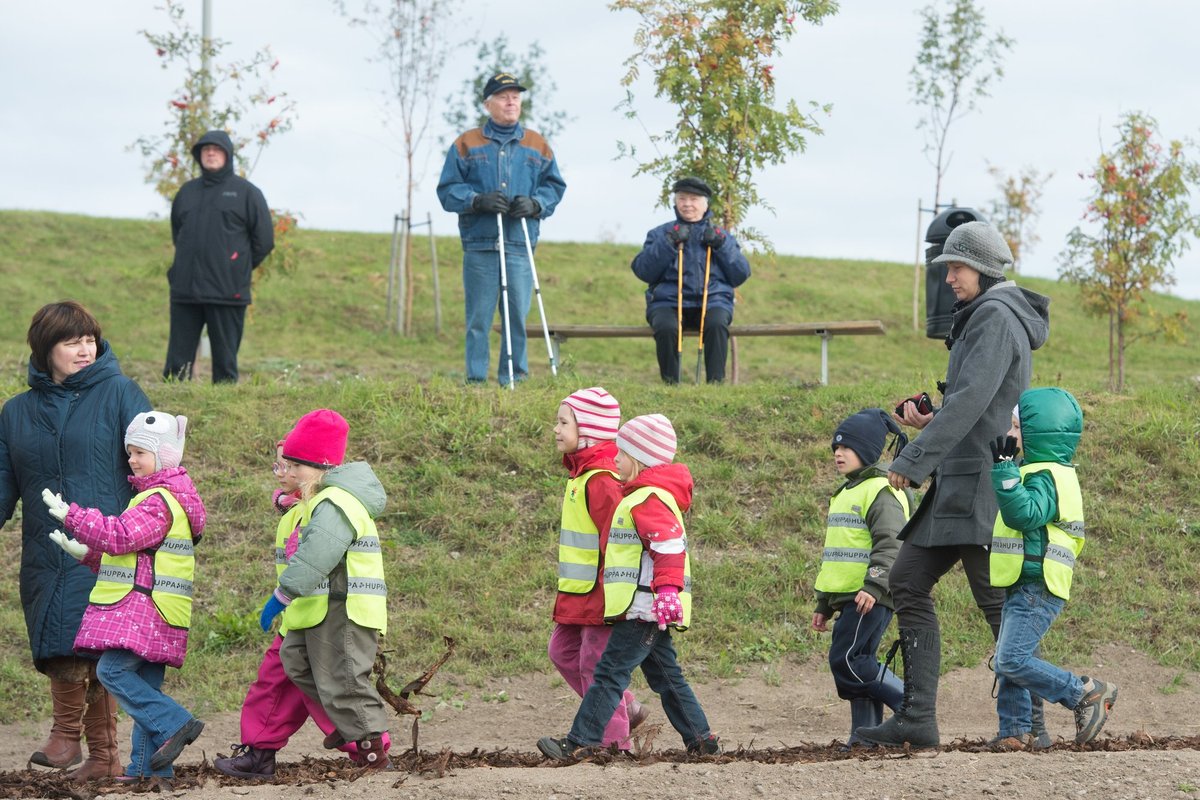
{"x":66,"y":434}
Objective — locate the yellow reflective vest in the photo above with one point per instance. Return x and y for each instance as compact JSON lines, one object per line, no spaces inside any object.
{"x":578,"y":538}
{"x":174,"y":568}
{"x":628,"y":567}
{"x":847,"y":552}
{"x":366,"y":589}
{"x":1065,"y":536}
{"x":292,"y":518}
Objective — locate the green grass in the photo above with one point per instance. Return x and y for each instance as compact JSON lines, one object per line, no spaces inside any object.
{"x":474,"y":483}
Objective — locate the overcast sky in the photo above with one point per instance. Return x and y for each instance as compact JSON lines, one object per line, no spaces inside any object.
{"x":78,"y":84}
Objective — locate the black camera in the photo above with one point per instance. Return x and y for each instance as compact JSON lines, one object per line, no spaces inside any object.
{"x":922,"y":401}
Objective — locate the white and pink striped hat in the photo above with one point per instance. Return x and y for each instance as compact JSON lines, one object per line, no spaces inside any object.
{"x":649,"y":438}
{"x":597,"y":413}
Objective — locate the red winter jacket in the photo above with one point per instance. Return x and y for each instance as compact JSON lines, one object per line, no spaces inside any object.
{"x":603,"y":496}
{"x":656,"y":524}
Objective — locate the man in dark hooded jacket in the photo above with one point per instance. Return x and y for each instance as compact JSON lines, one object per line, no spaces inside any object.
{"x":221,"y":227}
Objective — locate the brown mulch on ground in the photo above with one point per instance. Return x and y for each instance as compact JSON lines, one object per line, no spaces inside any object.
{"x":33,"y":783}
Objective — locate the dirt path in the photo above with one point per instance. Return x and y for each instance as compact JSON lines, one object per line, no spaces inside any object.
{"x":758,"y":713}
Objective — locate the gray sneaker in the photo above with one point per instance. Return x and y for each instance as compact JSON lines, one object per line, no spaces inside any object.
{"x":1093,"y":710}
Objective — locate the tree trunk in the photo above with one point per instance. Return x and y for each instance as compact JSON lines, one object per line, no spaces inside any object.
{"x":1120,"y":351}
{"x":1112,"y":326}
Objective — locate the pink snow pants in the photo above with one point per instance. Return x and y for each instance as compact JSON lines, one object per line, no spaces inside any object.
{"x":575,"y":650}
{"x":275,"y":708}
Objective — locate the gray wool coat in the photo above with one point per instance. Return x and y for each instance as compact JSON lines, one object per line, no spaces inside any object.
{"x":991,"y":358}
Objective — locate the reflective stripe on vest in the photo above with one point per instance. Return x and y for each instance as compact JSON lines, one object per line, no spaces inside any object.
{"x":628,"y":568}
{"x":1065,"y":536}
{"x":847,"y":551}
{"x":292,"y":519}
{"x":366,"y":589}
{"x":174,"y":568}
{"x":578,"y":538}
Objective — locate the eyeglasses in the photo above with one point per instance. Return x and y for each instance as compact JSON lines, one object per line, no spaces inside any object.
{"x":279,"y":468}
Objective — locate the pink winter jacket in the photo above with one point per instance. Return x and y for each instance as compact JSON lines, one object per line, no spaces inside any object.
{"x":133,"y":623}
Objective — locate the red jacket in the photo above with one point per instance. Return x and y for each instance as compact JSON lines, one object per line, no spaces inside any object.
{"x":656,"y":524}
{"x":603,"y":495}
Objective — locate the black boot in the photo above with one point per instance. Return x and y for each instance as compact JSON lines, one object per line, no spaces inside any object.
{"x":864,"y":713}
{"x":248,"y":762}
{"x":915,"y":723}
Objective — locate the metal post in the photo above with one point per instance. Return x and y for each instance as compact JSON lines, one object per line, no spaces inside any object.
{"x":401,"y":284}
{"x":825,"y":337}
{"x":437,"y":291}
{"x":391,"y":279}
{"x":917,"y":274}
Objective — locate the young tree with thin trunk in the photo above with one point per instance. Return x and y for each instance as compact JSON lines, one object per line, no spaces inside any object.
{"x":1140,"y":220}
{"x":713,"y":61}
{"x":1016,"y":211}
{"x":956,"y":65}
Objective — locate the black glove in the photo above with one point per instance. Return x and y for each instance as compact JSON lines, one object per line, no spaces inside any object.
{"x":490,"y":203}
{"x":1003,"y":449}
{"x":522,"y":206}
{"x":679,"y":234}
{"x":712,"y":236}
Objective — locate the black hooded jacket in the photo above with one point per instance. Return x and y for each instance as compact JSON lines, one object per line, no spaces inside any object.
{"x":222,"y":229}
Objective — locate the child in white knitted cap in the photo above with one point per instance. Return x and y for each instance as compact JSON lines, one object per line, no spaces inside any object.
{"x":647,"y":591}
{"x":585,"y":432}
{"x":139,"y":612}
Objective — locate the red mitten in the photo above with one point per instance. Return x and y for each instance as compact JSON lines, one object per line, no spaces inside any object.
{"x":667,"y":607}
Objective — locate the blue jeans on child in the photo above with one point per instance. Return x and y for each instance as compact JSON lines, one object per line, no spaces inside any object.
{"x":137,"y":685}
{"x":482,"y":297}
{"x":633,"y":644}
{"x":1028,"y":612}
{"x":853,"y":646}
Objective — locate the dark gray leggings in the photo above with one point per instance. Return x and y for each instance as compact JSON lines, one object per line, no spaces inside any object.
{"x":918,"y":569}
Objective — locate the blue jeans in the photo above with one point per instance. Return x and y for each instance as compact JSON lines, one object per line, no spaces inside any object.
{"x":638,"y":644}
{"x":137,"y":685}
{"x":856,"y":670}
{"x":1028,"y":613}
{"x":481,"y":291}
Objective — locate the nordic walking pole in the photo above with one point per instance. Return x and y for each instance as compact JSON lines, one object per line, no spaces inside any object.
{"x":703,"y":313}
{"x":679,"y":322}
{"x":537,"y":290}
{"x":512,"y":378}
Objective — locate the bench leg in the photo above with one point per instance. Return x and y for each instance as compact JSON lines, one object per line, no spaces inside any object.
{"x":825,"y":337}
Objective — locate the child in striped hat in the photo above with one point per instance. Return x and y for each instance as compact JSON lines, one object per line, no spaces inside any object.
{"x":647,"y":591}
{"x":585,"y":431}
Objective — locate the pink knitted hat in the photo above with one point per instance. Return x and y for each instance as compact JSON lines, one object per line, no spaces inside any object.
{"x":649,"y":438}
{"x":319,"y":439}
{"x":597,"y":413}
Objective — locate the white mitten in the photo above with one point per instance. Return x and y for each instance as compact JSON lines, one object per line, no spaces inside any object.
{"x":54,"y":502}
{"x":76,"y":550}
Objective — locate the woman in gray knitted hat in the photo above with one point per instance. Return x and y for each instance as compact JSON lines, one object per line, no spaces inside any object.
{"x":995,"y":328}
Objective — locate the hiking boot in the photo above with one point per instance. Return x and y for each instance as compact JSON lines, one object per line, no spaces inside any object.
{"x":1093,"y":709}
{"x":1012,"y":744}
{"x":248,"y":762}
{"x":705,"y":747}
{"x":915,"y":723}
{"x":563,"y":749}
{"x":165,"y":756}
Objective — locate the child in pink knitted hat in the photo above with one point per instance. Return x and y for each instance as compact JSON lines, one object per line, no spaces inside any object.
{"x":585,"y":432}
{"x":647,"y":592}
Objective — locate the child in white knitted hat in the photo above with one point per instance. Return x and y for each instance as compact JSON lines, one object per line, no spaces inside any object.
{"x":139,"y":612}
{"x":647,"y":592}
{"x":585,"y":432}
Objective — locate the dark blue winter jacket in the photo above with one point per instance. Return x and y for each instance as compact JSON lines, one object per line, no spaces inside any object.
{"x":69,"y":438}
{"x":658,"y":265}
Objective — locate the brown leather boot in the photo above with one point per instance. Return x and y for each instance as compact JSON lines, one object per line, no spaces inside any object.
{"x":61,"y":749}
{"x":100,"y":729}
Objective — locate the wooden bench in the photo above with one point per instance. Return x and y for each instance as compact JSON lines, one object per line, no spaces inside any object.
{"x":825,"y":330}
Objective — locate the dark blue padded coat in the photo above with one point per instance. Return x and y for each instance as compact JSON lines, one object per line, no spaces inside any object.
{"x":69,"y":438}
{"x":658,"y":265}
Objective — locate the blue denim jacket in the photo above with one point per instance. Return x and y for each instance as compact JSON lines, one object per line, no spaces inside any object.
{"x":486,"y":160}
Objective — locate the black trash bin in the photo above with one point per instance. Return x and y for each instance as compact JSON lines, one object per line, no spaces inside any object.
{"x":939,"y":297}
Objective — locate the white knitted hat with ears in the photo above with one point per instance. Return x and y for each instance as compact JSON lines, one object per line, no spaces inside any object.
{"x":978,"y":245}
{"x":158,"y":433}
{"x":650,"y":439}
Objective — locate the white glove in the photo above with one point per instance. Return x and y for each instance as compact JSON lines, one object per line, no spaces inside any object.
{"x":76,"y":550}
{"x":54,"y":502}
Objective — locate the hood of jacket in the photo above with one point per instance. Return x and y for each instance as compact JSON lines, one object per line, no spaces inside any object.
{"x":105,"y":366}
{"x":675,"y":478}
{"x":598,"y":456}
{"x":1051,"y":424}
{"x":220,"y":139}
{"x":359,"y":479}
{"x":176,"y":481}
{"x":1031,"y":309}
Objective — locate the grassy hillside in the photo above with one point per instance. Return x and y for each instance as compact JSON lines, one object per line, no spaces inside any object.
{"x":475,"y":484}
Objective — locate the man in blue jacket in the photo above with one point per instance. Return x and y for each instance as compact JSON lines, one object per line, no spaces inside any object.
{"x":221,"y":227}
{"x":707,"y":250}
{"x":503,"y":169}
